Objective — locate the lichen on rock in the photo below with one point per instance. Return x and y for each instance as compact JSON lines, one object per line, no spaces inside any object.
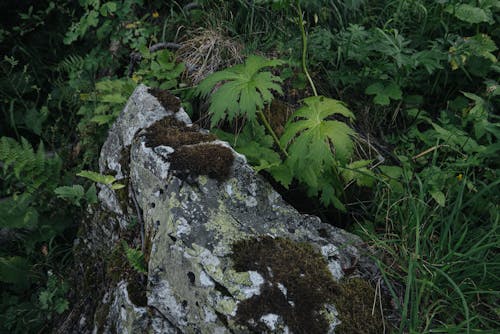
{"x":225,"y":253}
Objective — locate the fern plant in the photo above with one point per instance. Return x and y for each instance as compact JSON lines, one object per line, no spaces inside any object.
{"x":23,"y":169}
{"x":135,"y":258}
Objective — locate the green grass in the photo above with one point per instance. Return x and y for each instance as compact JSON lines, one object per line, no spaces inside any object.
{"x":444,"y":258}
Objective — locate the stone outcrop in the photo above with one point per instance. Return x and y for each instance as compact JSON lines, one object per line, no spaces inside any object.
{"x":198,"y":242}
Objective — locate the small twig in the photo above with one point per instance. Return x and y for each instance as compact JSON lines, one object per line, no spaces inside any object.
{"x":427,"y":151}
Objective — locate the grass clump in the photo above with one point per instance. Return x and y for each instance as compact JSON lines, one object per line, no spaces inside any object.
{"x":441,"y":262}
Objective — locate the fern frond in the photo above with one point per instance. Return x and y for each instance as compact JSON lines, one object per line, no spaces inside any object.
{"x":135,"y":258}
{"x":71,"y":63}
{"x":22,"y":164}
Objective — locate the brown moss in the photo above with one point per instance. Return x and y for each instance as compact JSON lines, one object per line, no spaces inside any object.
{"x":204,"y":159}
{"x":304,"y":273}
{"x":167,"y":100}
{"x":355,"y":304}
{"x":171,"y":132}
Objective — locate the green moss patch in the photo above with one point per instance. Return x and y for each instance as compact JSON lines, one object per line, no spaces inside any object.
{"x":309,"y":285}
{"x":204,"y":159}
{"x":167,"y":100}
{"x":174,"y":133}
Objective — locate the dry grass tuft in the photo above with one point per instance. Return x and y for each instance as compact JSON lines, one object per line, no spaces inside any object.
{"x":208,"y":51}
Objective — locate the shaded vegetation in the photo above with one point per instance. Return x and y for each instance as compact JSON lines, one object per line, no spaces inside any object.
{"x":384,"y":113}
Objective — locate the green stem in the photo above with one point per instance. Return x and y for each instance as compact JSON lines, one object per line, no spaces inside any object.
{"x":271,"y":131}
{"x":304,"y":49}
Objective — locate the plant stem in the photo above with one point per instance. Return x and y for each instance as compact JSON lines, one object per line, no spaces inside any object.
{"x":304,"y":49}
{"x":271,"y":131}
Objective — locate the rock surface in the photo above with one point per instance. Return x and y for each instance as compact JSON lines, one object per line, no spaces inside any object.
{"x":189,"y":228}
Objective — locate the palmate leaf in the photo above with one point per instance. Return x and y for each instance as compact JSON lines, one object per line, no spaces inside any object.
{"x":313,"y":132}
{"x":245,"y":89}
{"x":310,"y":137}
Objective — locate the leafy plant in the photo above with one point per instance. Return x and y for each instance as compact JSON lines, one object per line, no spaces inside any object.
{"x":245,"y":89}
{"x":309,"y":138}
{"x":159,"y":69}
{"x":105,"y":103}
{"x":108,"y":180}
{"x":76,"y":193}
{"x":255,"y":144}
{"x":384,"y":93}
{"x":135,"y":258}
{"x":24,"y":172}
{"x":23,"y":169}
{"x":52,"y":299}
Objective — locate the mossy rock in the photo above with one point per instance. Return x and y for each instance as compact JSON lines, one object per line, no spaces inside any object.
{"x":167,"y":100}
{"x":300,"y":269}
{"x":169,"y":131}
{"x":297,"y":288}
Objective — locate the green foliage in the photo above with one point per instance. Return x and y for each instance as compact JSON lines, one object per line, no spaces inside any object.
{"x":76,"y":193}
{"x":473,"y":14}
{"x":446,"y":253}
{"x":159,"y":69}
{"x":309,"y":138}
{"x":95,"y":13}
{"x":383,"y":94}
{"x":359,"y":172}
{"x":255,"y":144}
{"x":245,"y":90}
{"x":52,"y":298}
{"x":464,"y":48}
{"x":18,"y":212}
{"x":103,"y":179}
{"x":23,"y":169}
{"x":135,"y":258}
{"x":106,"y":102}
{"x":15,"y":270}
{"x":422,"y":64}
{"x":16,"y":83}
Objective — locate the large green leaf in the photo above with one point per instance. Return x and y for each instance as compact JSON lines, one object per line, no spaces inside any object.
{"x":310,"y":132}
{"x":317,"y":144}
{"x":471,"y":14}
{"x":244,"y":91}
{"x":96,"y":177}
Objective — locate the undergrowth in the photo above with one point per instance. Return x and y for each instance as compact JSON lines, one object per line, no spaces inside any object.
{"x":388,"y":117}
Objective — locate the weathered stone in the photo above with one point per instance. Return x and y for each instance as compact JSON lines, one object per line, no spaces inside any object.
{"x":188,"y":226}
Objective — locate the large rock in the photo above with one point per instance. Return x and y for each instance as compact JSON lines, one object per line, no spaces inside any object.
{"x":223,"y":253}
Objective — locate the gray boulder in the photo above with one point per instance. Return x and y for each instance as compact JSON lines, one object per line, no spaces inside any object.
{"x":198,"y":242}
